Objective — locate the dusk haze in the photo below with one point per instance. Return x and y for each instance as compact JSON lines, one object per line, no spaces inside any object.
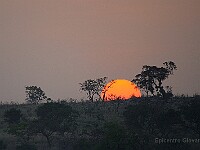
{"x":57,"y":44}
{"x":99,"y":74}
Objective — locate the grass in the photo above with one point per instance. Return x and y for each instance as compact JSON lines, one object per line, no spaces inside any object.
{"x":92,"y":117}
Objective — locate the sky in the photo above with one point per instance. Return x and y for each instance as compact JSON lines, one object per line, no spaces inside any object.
{"x":56,"y":44}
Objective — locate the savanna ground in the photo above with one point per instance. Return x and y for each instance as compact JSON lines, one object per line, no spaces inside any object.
{"x":126,"y":125}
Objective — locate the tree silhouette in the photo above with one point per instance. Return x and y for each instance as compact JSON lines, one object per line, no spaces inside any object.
{"x":152,"y":77}
{"x":106,"y":88}
{"x":34,"y":94}
{"x":53,"y":118}
{"x":93,"y":87}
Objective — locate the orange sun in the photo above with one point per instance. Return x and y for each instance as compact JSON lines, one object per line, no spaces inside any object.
{"x":120,"y":88}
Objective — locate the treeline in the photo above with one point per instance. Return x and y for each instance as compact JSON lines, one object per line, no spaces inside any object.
{"x":115,"y":125}
{"x":150,"y":81}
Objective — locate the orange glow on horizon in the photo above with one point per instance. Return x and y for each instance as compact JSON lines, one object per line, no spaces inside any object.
{"x":120,"y":88}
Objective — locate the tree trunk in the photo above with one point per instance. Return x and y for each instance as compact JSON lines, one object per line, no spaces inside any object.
{"x":147,"y":92}
{"x":162,"y":91}
{"x":90,"y":96}
{"x":48,"y":140}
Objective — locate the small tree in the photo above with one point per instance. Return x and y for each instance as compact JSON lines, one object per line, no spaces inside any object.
{"x":152,"y":77}
{"x":34,"y":94}
{"x":93,"y":87}
{"x":53,"y":118}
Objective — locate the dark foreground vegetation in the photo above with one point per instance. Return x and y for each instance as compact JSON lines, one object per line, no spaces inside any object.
{"x":135,"y":124}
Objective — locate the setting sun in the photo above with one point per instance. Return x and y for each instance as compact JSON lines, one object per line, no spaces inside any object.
{"x":120,"y":88}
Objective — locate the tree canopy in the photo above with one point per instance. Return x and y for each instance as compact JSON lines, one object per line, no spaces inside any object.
{"x":53,"y":118}
{"x":93,"y":87}
{"x":35,"y":94}
{"x":151,"y":78}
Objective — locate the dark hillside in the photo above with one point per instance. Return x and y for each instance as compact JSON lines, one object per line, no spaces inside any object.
{"x":144,"y":123}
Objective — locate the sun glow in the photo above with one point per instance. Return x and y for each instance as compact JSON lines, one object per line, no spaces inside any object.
{"x":120,"y":89}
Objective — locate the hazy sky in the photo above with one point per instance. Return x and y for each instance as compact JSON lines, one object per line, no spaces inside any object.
{"x":57,"y":44}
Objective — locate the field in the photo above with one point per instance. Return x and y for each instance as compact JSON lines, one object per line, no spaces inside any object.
{"x":144,"y":123}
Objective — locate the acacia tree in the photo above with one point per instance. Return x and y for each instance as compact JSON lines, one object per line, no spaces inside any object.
{"x":35,"y":94}
{"x":93,"y":87}
{"x":151,"y":78}
{"x":106,"y":88}
{"x":53,"y":118}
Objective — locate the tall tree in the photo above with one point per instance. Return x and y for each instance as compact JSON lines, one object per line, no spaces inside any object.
{"x":93,"y":87}
{"x":151,"y":78}
{"x":35,"y":94}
